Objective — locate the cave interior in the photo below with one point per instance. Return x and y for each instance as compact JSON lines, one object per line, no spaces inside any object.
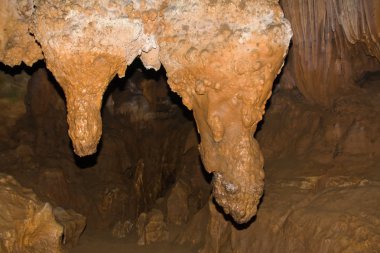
{"x":166,"y":163}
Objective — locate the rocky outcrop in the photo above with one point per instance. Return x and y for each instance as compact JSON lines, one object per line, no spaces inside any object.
{"x":26,"y":224}
{"x":334,"y":43}
{"x":29,"y":225}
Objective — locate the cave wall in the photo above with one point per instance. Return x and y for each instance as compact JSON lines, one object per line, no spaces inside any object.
{"x":334,"y":44}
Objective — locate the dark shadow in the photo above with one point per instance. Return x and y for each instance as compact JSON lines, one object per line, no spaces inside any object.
{"x":207,"y":176}
{"x":22,"y":67}
{"x":56,"y":85}
{"x":121,"y":84}
{"x":368,"y":79}
{"x":90,"y":160}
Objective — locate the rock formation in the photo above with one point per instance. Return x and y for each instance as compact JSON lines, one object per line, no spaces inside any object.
{"x":73,"y":225}
{"x":29,"y":225}
{"x":26,"y":224}
{"x":220,"y":56}
{"x":222,"y":62}
{"x":151,"y":228}
{"x":320,"y":137}
{"x":334,"y":42}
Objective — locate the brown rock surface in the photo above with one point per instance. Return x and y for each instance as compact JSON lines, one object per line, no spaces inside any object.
{"x":322,"y":184}
{"x":222,"y":62}
{"x":46,"y":109}
{"x":151,"y":228}
{"x":87,"y":45}
{"x":195,"y":232}
{"x":16,"y":43}
{"x":177,"y":204}
{"x":73,"y":225}
{"x":334,"y":43}
{"x":26,"y":224}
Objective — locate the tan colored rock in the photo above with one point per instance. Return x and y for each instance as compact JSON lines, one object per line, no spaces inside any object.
{"x":88,"y":43}
{"x":220,"y":56}
{"x":222,"y":61}
{"x":17,"y":45}
{"x":73,"y":225}
{"x":151,"y":228}
{"x":26,"y":224}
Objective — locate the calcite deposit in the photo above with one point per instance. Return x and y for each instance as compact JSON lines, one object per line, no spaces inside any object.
{"x":221,"y":57}
{"x":88,"y":43}
{"x":222,"y":62}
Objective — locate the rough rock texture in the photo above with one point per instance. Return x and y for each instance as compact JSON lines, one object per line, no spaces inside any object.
{"x":322,"y":184}
{"x":222,"y":62}
{"x":16,"y":43}
{"x":334,"y":43}
{"x":26,"y":224}
{"x":88,"y":43}
{"x":137,"y":164}
{"x":151,"y":228}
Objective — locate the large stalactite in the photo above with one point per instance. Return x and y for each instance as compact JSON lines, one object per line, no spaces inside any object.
{"x":223,"y":63}
{"x":221,"y":57}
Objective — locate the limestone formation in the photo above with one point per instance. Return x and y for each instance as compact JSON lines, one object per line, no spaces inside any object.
{"x":88,"y":43}
{"x":26,"y":223}
{"x":221,"y":57}
{"x":222,"y":62}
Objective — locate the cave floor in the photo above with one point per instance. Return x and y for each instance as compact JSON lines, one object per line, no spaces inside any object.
{"x":93,"y":241}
